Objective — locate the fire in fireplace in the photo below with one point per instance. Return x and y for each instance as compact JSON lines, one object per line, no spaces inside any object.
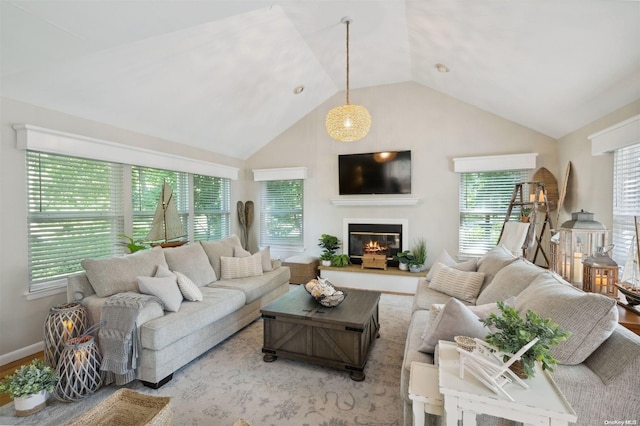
{"x":373,"y":238}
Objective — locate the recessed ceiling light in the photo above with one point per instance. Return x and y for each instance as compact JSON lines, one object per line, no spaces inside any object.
{"x":298,"y":90}
{"x":442,"y":68}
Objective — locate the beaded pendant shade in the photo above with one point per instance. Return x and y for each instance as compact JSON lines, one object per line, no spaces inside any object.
{"x":348,"y":123}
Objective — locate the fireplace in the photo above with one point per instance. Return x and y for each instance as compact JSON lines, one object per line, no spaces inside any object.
{"x":374,"y":236}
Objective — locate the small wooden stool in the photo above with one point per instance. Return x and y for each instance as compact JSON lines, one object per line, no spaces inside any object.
{"x":303,"y":268}
{"x":424,"y":391}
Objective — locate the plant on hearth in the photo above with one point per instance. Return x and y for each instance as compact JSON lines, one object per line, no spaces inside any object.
{"x":403,"y":257}
{"x":514,"y":332}
{"x":340,"y":260}
{"x":419,"y":253}
{"x":329,"y":245}
{"x":29,"y":379}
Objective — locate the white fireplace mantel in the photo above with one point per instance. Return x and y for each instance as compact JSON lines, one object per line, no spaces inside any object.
{"x":375,"y":201}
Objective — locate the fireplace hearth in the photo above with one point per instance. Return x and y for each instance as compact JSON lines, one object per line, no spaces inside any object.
{"x":374,"y":238}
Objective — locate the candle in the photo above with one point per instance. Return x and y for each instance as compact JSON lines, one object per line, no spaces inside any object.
{"x":577,"y":267}
{"x":532,"y":198}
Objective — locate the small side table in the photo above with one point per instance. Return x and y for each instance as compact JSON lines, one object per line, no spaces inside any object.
{"x":423,"y":392}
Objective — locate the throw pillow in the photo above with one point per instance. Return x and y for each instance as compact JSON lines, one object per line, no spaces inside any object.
{"x":216,"y":249}
{"x":164,"y":289}
{"x":446,"y":259}
{"x":455,"y":319}
{"x":589,"y":317}
{"x":192,"y":261}
{"x":240,"y":252}
{"x":241,"y":267}
{"x":118,"y":274}
{"x":460,"y":284}
{"x":493,"y":261}
{"x":482,"y":311}
{"x":188,"y":288}
{"x":509,"y":281}
{"x":266,"y":259}
{"x":164,"y":272}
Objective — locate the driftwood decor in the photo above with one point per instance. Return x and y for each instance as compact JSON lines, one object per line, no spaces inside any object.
{"x":245,"y":216}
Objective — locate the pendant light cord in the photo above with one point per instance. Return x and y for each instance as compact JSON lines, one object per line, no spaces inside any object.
{"x":347,"y":22}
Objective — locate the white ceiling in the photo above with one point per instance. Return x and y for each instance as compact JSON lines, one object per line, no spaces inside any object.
{"x":219,"y":75}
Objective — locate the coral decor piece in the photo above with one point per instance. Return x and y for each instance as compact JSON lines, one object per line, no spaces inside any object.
{"x":324,"y":292}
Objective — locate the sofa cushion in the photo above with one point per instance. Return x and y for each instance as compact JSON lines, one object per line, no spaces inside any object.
{"x":425,"y":296}
{"x":188,"y":288}
{"x":589,"y":317}
{"x":509,"y":281}
{"x":460,"y":284}
{"x":419,"y":321}
{"x":216,"y":304}
{"x":241,"y":267}
{"x":216,"y":249}
{"x":240,"y":252}
{"x":445,"y":258}
{"x":455,"y":319}
{"x":164,"y":288}
{"x":192,"y":261}
{"x":492,"y":262}
{"x":119,"y":274}
{"x":258,"y":286}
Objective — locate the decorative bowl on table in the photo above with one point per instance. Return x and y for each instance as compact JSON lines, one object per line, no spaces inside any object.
{"x":324,"y":292}
{"x":465,"y":342}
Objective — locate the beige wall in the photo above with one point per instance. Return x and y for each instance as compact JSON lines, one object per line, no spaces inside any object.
{"x":590,"y":185}
{"x":21,"y":320}
{"x":435,"y":127}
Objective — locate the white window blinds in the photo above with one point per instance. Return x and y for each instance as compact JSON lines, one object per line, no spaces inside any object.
{"x":75,"y":212}
{"x":626,"y":199}
{"x":484,"y":200}
{"x":281,"y":213}
{"x":211,"y":207}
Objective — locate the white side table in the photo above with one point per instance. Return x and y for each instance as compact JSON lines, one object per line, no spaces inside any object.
{"x":423,"y":392}
{"x":541,"y":404}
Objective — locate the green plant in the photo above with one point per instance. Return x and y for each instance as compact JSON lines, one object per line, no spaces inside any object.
{"x":514,"y":332}
{"x":526,"y":211}
{"x":329,"y":245}
{"x":132,"y":245}
{"x":340,"y":260}
{"x":403,"y":257}
{"x":419,"y":252}
{"x":29,"y":379}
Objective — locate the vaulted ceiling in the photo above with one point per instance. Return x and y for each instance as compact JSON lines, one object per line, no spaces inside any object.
{"x":220,"y":75}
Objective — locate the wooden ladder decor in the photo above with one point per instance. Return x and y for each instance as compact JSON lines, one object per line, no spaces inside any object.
{"x":537,"y":201}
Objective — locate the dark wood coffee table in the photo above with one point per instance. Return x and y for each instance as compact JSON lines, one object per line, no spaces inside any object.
{"x":298,"y":327}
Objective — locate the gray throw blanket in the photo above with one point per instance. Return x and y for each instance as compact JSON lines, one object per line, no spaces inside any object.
{"x":118,"y":338}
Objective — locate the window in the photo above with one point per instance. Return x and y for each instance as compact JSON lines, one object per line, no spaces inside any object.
{"x":211,"y":208}
{"x":626,"y":199}
{"x":281,"y":213}
{"x":484,"y":200}
{"x":75,"y":212}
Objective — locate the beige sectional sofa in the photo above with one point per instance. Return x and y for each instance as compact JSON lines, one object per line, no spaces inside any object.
{"x":598,"y":365}
{"x":170,"y":340}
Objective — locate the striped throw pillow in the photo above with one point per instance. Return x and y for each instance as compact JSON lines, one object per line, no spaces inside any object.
{"x":241,"y":267}
{"x":188,"y":288}
{"x":460,"y":284}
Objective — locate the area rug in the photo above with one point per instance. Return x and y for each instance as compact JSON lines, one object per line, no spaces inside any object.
{"x":232,"y":382}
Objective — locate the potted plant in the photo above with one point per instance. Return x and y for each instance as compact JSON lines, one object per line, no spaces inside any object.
{"x":329,"y":244}
{"x":524,"y":214}
{"x":29,"y":386}
{"x":419,"y":253}
{"x":515,"y":331}
{"x":340,"y":260}
{"x":403,"y":258}
{"x":132,"y":245}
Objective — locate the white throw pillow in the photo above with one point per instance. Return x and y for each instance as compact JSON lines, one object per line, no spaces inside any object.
{"x":460,"y":284}
{"x":266,"y":259}
{"x":241,"y":267}
{"x":446,"y":259}
{"x":188,"y":288}
{"x":455,"y":319}
{"x":482,"y":311}
{"x":165,"y":288}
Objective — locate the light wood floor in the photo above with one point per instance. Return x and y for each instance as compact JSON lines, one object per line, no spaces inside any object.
{"x":7,"y":370}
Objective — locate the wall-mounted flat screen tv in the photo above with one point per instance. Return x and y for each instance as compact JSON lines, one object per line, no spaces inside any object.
{"x":375,"y":173}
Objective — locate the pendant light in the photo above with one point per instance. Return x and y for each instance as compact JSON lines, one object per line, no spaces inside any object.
{"x":348,"y":123}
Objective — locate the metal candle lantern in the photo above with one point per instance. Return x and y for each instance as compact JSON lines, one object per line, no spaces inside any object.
{"x":79,"y":368}
{"x":578,"y":238}
{"x":600,"y":274}
{"x":63,"y":323}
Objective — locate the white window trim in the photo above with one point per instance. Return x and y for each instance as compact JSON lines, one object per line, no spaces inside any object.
{"x":620,"y":135}
{"x":494,"y":163}
{"x":284,"y":173}
{"x":56,"y":142}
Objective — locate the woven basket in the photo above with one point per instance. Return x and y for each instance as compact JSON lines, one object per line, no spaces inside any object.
{"x":63,"y":323}
{"x":518,"y":369}
{"x":78,"y":369}
{"x":127,"y":407}
{"x":465,"y":342}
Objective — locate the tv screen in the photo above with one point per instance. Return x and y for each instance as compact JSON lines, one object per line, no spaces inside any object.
{"x":375,"y":173}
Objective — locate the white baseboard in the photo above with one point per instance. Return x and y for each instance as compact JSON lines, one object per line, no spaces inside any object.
{"x":21,"y":353}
